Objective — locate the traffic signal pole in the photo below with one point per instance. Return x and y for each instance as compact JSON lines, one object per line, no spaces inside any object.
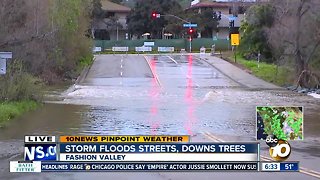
{"x":171,"y":15}
{"x":177,"y":17}
{"x":235,"y":54}
{"x":190,"y":45}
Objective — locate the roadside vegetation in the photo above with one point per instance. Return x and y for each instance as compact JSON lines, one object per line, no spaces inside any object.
{"x":10,"y":110}
{"x":50,"y":43}
{"x":286,"y":34}
{"x":279,"y":75}
{"x":20,"y":92}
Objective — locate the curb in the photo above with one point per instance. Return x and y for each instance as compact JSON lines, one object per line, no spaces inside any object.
{"x":84,"y":73}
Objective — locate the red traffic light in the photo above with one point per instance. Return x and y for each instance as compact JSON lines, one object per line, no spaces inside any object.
{"x":155,"y":15}
{"x":190,"y":31}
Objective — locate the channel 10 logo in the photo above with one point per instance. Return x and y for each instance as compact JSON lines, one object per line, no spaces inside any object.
{"x":40,"y":152}
{"x":279,"y":150}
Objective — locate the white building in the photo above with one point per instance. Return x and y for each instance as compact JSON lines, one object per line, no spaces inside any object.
{"x":228,"y":8}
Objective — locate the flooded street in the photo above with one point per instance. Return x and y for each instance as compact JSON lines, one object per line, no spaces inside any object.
{"x":160,"y":95}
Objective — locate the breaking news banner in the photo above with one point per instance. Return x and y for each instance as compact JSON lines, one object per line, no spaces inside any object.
{"x":280,"y":166}
{"x":159,"y":152}
{"x":47,"y":166}
{"x":133,"y":153}
{"x":43,"y":148}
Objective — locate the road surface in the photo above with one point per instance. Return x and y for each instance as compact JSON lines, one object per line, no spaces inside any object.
{"x":206,"y":97}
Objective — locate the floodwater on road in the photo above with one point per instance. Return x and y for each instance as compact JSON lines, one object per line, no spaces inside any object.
{"x":169,"y":95}
{"x":120,"y":95}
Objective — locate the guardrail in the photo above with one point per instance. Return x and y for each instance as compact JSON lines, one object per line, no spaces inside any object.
{"x":143,"y":49}
{"x":197,"y":43}
{"x":120,"y":49}
{"x":165,"y":49}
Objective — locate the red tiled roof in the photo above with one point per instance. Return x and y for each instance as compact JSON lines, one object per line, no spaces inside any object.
{"x":212,"y":4}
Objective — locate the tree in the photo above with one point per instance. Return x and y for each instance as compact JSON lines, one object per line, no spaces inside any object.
{"x":295,"y":37}
{"x":13,"y":18}
{"x":48,"y":42}
{"x":254,"y":28}
{"x":72,"y":20}
{"x":113,"y":24}
{"x":97,"y":14}
{"x":139,"y":20}
{"x":48,"y":36}
{"x":206,"y":20}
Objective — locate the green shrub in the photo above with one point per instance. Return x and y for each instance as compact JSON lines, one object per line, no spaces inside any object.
{"x":10,"y":110}
{"x":18,"y":85}
{"x":280,"y":76}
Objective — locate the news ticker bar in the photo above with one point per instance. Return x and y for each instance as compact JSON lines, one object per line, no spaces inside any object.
{"x":107,"y":139}
{"x":38,"y":166}
{"x":59,"y":166}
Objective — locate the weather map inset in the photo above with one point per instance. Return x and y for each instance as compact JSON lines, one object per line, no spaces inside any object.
{"x":284,"y":122}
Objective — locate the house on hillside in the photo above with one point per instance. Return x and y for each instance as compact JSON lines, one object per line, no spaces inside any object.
{"x":227,"y":9}
{"x":113,"y":26}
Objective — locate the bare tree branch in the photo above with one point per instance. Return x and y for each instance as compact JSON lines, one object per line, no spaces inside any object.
{"x":313,"y":51}
{"x":16,"y":42}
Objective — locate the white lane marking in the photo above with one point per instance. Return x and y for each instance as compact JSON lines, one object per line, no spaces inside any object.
{"x":121,"y":66}
{"x":152,"y":71}
{"x":172,"y":59}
